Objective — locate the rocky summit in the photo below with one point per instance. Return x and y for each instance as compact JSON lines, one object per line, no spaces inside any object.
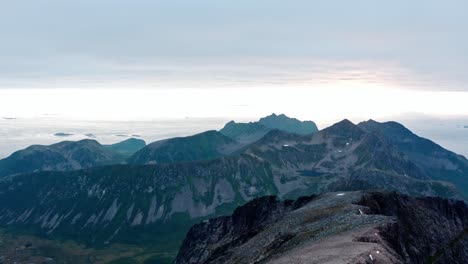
{"x":343,"y":227}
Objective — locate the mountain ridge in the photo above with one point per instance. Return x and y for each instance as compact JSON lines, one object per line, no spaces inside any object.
{"x":368,"y":227}
{"x":67,"y":156}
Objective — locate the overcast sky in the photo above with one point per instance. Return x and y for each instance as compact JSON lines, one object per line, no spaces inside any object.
{"x":315,"y":48}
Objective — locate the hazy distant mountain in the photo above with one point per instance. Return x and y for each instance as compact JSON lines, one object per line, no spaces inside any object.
{"x":339,"y":228}
{"x":62,"y":134}
{"x":127,"y":147}
{"x":67,"y":155}
{"x":251,"y":132}
{"x":156,"y":204}
{"x":203,"y":146}
{"x":292,"y":125}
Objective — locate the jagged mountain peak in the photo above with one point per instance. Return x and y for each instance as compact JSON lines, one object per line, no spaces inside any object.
{"x":345,"y":122}
{"x":345,"y":129}
{"x":274,"y":116}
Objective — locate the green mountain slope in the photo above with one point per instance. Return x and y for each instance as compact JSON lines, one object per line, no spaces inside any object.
{"x":127,"y":147}
{"x":63,"y":156}
{"x":203,"y":146}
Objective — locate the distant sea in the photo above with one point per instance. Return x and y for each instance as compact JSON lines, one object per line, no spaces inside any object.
{"x":451,"y":134}
{"x":20,"y":133}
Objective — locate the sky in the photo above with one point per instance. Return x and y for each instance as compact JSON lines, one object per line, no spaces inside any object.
{"x":323,"y":60}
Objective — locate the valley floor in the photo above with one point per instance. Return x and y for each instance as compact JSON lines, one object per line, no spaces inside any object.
{"x":30,"y":249}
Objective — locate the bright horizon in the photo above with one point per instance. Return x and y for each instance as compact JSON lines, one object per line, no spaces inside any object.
{"x":323,"y":106}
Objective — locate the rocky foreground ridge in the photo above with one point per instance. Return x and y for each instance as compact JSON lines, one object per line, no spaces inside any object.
{"x":348,"y":227}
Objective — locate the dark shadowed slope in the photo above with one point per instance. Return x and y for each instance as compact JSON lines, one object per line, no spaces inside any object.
{"x":436,"y":162}
{"x":350,"y":227}
{"x":203,"y":146}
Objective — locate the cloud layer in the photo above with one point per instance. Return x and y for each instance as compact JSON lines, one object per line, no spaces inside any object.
{"x":114,"y":43}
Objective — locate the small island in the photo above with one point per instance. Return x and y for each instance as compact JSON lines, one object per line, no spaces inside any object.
{"x":61,"y":134}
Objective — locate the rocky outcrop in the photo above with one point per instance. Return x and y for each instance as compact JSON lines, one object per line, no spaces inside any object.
{"x":351,"y":227}
{"x":231,"y":232}
{"x":426,"y":230}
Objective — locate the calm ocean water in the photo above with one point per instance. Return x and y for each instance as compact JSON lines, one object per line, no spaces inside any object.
{"x":17,"y":134}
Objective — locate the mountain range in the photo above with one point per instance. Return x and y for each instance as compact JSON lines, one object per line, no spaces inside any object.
{"x":154,"y":196}
{"x":67,"y":156}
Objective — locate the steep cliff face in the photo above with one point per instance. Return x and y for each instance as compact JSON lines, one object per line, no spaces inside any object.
{"x":231,"y":232}
{"x":426,"y":230}
{"x":350,"y":227}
